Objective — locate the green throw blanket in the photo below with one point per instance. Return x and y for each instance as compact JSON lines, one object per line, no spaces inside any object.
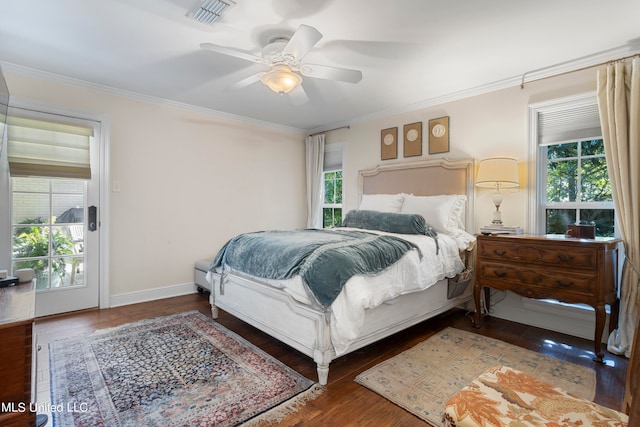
{"x":325,"y":259}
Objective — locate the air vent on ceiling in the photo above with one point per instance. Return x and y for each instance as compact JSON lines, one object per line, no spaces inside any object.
{"x":209,"y":11}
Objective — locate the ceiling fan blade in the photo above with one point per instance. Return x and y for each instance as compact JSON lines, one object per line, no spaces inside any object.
{"x":331,"y":73}
{"x":301,"y":42}
{"x":299,"y":96}
{"x":247,"y":81}
{"x":231,"y":52}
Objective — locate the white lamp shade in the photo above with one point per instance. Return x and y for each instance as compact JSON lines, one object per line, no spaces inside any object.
{"x":281,"y":80}
{"x":498,"y":172}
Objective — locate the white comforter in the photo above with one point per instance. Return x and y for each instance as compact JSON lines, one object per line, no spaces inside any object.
{"x":409,"y":274}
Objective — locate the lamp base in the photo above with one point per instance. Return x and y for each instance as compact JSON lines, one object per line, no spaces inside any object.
{"x":497,"y":201}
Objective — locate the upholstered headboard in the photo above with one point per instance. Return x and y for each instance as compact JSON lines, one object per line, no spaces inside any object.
{"x":422,"y":178}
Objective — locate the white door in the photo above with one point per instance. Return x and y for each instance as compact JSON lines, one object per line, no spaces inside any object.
{"x":56,"y":231}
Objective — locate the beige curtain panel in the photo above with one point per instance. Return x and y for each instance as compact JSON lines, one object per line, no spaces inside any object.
{"x":314,"y":149}
{"x":619,"y":104}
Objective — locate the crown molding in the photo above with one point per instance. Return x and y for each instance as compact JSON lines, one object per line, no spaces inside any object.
{"x":629,"y":49}
{"x":57,"y":78}
{"x":600,"y":58}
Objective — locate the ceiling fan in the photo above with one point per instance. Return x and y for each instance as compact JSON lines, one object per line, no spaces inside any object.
{"x":283,"y":59}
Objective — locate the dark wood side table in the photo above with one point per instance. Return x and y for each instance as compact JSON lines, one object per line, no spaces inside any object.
{"x":17,"y":310}
{"x":576,"y":271}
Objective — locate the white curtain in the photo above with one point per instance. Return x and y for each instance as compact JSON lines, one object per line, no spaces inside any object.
{"x":314,"y":145}
{"x":619,"y":104}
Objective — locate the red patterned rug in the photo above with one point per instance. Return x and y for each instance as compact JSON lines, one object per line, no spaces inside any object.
{"x":178,"y":370}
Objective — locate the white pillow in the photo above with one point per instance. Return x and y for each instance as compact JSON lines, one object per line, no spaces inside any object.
{"x":382,"y":202}
{"x":444,"y":212}
{"x":464,"y":240}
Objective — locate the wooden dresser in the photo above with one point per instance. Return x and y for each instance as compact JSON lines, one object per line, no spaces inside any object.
{"x":17,"y":310}
{"x":569,"y":270}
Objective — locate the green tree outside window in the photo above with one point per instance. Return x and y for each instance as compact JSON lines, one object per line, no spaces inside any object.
{"x":578,"y":188}
{"x":332,"y":207}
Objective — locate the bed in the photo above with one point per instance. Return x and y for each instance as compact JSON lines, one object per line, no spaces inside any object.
{"x":286,"y":310}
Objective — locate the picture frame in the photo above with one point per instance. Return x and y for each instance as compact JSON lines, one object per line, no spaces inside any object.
{"x":412,"y":139}
{"x":389,"y":143}
{"x":439,"y":135}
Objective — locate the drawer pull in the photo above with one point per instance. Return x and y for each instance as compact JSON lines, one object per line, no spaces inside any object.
{"x":500,"y":252}
{"x":500,"y":273}
{"x":566,"y":257}
{"x":564,"y":283}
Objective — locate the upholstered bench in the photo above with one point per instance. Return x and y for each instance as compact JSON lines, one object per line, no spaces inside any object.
{"x":503,"y":396}
{"x":201,"y":268}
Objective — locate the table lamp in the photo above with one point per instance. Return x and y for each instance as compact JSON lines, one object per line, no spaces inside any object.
{"x":498,"y":173}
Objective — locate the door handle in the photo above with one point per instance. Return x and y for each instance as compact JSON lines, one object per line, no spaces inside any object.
{"x":93,"y":218}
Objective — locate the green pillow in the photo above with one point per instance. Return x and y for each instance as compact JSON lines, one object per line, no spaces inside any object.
{"x":387,"y":221}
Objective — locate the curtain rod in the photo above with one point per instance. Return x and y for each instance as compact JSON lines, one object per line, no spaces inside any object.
{"x":611,"y":61}
{"x":329,"y":130}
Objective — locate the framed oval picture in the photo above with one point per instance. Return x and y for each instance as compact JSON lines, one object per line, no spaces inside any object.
{"x":389,"y":143}
{"x":413,"y":139}
{"x":439,"y":135}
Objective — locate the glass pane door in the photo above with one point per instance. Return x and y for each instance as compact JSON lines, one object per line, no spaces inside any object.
{"x":48,"y":230}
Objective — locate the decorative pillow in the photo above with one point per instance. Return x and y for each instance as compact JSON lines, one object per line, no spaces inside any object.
{"x":444,"y":212}
{"x":386,"y":221}
{"x":503,"y":396}
{"x":382,"y":202}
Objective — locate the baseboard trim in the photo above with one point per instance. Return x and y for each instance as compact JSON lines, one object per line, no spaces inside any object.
{"x":566,"y":319}
{"x":152,"y":294}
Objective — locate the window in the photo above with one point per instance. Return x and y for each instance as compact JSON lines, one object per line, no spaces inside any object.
{"x":332,"y":205}
{"x":47,"y":229}
{"x":577,"y":187}
{"x":49,"y":162}
{"x":332,"y":185}
{"x":571,"y":169}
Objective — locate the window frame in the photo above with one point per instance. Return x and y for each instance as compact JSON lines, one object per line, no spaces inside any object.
{"x":536,"y":203}
{"x":333,"y":206}
{"x":102,"y":132}
{"x":576,"y":205}
{"x":535,"y":216}
{"x":56,"y":232}
{"x":333,"y":162}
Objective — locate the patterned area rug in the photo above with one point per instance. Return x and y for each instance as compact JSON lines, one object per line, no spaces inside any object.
{"x":184,"y":369}
{"x":423,"y":378}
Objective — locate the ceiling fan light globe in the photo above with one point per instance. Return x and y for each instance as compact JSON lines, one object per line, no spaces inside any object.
{"x":281,"y":80}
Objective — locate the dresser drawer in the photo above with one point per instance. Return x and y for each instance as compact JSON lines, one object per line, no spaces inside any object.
{"x":556,"y":255}
{"x":542,"y":278}
{"x":565,"y":269}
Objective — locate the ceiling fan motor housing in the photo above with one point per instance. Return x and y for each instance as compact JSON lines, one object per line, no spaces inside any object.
{"x":283,"y":57}
{"x":272,"y":53}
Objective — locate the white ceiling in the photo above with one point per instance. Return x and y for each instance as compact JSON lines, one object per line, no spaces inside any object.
{"x":409,"y":51}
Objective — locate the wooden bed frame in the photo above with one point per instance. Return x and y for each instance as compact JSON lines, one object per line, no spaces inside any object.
{"x":307,"y":329}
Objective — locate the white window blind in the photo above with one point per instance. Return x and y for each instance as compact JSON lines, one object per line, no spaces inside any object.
{"x":332,"y":157}
{"x":576,"y":123}
{"x":48,"y":149}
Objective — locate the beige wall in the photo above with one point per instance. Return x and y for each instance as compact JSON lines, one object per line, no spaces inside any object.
{"x":188,"y":181}
{"x":495,"y":123}
{"x":491,"y":124}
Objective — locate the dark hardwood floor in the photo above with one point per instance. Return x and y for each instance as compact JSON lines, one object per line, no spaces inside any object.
{"x":344,"y":402}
